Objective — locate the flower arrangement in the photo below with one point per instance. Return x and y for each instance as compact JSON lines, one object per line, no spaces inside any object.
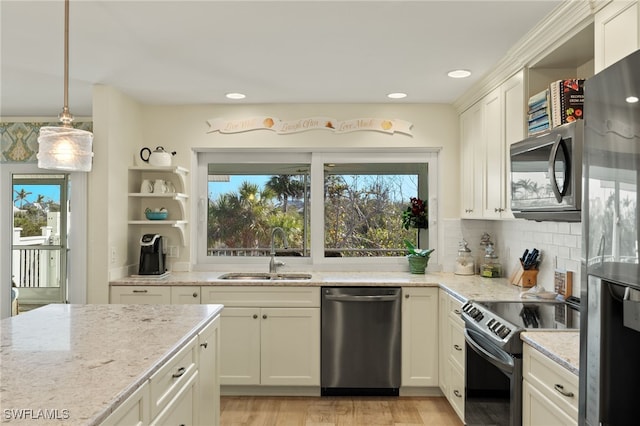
{"x":415,"y":216}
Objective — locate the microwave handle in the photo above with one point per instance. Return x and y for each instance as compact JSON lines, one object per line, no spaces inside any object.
{"x":552,"y":170}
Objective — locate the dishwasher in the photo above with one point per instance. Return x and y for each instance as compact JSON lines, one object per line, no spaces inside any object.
{"x":360,"y":341}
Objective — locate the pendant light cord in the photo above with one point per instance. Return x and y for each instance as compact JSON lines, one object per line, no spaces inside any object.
{"x":65,"y":116}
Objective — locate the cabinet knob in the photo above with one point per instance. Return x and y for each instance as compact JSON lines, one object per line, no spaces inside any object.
{"x":255,"y":316}
{"x":195,"y":294}
{"x":406,"y":296}
{"x":264,"y":316}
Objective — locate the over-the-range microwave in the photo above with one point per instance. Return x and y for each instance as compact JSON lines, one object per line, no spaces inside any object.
{"x":546,"y":174}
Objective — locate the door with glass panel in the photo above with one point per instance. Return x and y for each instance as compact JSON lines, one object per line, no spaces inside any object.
{"x":39,"y":239}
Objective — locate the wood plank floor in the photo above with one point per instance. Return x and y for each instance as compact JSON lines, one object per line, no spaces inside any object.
{"x":325,"y":411}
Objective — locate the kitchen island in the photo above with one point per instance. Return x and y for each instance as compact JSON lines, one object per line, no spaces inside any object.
{"x":77,"y":364}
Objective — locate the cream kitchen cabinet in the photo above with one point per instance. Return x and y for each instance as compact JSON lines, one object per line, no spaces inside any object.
{"x":134,"y":411}
{"x":443,"y":340}
{"x":419,"y":336}
{"x":185,"y":295}
{"x":452,"y":352}
{"x":616,"y":32}
{"x":140,"y":294}
{"x":487,"y":130}
{"x":549,"y":391}
{"x":175,"y":201}
{"x":271,"y":335}
{"x":209,"y":375}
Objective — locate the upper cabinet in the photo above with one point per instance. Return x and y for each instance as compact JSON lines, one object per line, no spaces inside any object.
{"x":616,"y":32}
{"x":487,"y":129}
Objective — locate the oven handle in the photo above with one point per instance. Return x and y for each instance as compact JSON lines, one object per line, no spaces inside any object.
{"x":506,"y":367}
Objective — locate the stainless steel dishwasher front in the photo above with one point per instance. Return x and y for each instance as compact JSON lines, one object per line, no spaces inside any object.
{"x":361,"y":338}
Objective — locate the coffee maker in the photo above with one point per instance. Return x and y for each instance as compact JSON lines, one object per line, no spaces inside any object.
{"x":152,"y":256}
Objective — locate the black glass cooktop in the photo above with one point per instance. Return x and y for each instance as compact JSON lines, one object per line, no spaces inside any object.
{"x":532,"y":314}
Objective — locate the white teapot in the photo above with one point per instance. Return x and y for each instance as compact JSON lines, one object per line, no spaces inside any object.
{"x":158,"y":157}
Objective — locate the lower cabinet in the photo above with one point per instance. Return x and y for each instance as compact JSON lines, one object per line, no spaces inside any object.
{"x":184,"y":390}
{"x":452,"y":351}
{"x":140,"y":294}
{"x":420,"y":336}
{"x":267,"y":338}
{"x":549,"y":391}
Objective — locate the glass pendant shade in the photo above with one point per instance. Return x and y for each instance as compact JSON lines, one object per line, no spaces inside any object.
{"x":65,"y":148}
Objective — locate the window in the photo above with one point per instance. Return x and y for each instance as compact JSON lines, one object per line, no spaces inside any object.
{"x":335,"y":207}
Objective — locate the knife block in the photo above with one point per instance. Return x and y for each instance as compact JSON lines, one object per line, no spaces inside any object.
{"x":524,"y":278}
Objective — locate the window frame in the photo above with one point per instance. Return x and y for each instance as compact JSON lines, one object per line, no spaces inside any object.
{"x":317,"y":159}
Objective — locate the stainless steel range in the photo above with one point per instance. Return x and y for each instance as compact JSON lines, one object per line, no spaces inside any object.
{"x":493,"y":389}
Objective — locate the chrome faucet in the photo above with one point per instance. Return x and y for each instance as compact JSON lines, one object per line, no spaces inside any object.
{"x":273,"y":264}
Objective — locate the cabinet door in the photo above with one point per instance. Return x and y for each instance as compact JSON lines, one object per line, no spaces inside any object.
{"x":456,"y":390}
{"x":443,"y":340}
{"x":240,"y":346}
{"x":189,"y":295}
{"x":471,"y":165}
{"x":420,"y":336}
{"x":514,"y":131}
{"x":180,"y":410}
{"x":538,"y":410}
{"x":133,"y":411}
{"x":493,"y":188}
{"x":290,"y":346}
{"x":208,"y":375}
{"x":151,"y":295}
{"x":616,"y":33}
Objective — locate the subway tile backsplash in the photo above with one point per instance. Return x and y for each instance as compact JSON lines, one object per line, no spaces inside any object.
{"x":559,"y":242}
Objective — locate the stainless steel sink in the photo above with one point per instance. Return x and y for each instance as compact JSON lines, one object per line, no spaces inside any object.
{"x":255,"y":276}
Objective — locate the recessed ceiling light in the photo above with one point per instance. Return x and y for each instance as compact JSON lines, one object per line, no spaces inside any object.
{"x":632,"y":99}
{"x":235,"y":95}
{"x":459,"y":73}
{"x":396,"y":95}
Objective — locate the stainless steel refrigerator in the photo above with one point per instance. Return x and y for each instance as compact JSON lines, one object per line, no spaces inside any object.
{"x":610,"y":287}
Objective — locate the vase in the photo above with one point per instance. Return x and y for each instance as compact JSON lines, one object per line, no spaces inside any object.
{"x":417,"y":264}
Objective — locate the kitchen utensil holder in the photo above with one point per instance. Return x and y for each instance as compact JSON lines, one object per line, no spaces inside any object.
{"x":524,"y":278}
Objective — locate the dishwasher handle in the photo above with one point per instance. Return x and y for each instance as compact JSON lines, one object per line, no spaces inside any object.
{"x":356,"y":298}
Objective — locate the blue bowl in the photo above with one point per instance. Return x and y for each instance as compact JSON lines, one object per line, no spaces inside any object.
{"x":156,"y":215}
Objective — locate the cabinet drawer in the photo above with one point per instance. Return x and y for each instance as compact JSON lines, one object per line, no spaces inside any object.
{"x":456,"y":389}
{"x":263,"y":296}
{"x":133,"y":411}
{"x":457,"y":348}
{"x":557,"y":383}
{"x":180,"y":410}
{"x":143,"y":294}
{"x":166,"y":382}
{"x":455,"y":309}
{"x":187,"y":295}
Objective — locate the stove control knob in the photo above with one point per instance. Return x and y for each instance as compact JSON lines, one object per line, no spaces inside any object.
{"x":504,"y":332}
{"x":490,"y":323}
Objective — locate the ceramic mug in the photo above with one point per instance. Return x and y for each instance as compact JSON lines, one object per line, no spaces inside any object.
{"x":159,"y":187}
{"x":146,"y":187}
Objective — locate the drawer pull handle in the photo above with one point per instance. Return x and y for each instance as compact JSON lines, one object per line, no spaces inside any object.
{"x":204,"y":345}
{"x":457,"y":311}
{"x":457,"y":347}
{"x":457,"y":393}
{"x":139,"y":291}
{"x":255,"y":316}
{"x":560,"y":389}
{"x":180,"y":372}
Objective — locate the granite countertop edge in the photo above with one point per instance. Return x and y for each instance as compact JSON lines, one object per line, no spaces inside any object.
{"x":561,"y":346}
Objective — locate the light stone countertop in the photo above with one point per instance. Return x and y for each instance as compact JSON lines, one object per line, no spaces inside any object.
{"x":81,"y":361}
{"x":563,"y":347}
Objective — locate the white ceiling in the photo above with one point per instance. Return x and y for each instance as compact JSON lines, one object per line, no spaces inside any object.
{"x":193,"y":52}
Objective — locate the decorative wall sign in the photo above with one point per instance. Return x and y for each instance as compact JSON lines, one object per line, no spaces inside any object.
{"x":384,"y":125}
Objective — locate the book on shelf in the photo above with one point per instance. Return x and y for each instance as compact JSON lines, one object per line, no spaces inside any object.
{"x":567,"y":101}
{"x":535,"y":101}
{"x":539,"y":112}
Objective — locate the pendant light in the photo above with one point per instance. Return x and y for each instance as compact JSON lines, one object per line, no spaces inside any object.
{"x":65,"y":148}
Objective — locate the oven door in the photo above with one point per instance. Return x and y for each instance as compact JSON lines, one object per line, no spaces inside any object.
{"x":493,"y":390}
